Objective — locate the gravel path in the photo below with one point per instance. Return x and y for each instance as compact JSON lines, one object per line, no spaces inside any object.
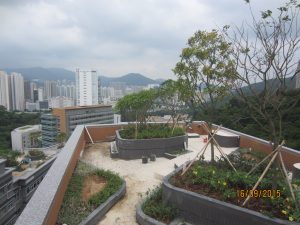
{"x":139,"y":177}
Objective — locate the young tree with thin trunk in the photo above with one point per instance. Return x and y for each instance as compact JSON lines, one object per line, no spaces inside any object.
{"x":267,"y":52}
{"x":205,"y":72}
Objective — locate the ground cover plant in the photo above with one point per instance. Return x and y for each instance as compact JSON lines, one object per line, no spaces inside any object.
{"x":151,"y":131}
{"x":74,"y":207}
{"x":154,"y":207}
{"x":219,"y":181}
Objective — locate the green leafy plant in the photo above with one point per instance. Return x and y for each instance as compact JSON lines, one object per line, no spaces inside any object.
{"x":74,"y":209}
{"x":154,"y":207}
{"x":151,"y":131}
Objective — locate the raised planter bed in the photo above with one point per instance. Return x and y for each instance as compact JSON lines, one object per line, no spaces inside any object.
{"x":136,"y":148}
{"x":100,"y":212}
{"x":201,"y":209}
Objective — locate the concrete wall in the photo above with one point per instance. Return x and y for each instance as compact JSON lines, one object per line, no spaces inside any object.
{"x":135,"y":149}
{"x":289,"y":155}
{"x":44,"y":205}
{"x":200,"y":209}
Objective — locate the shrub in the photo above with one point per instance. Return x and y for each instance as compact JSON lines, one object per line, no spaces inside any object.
{"x":74,"y":209}
{"x":155,"y":208}
{"x":151,"y":131}
{"x":37,"y":154}
{"x":219,"y":181}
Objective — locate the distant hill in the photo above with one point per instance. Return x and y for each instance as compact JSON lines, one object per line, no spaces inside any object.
{"x":134,"y":79}
{"x":41,"y":74}
{"x":258,"y":87}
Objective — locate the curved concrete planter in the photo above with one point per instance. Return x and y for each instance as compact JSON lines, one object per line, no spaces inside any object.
{"x":143,"y":219}
{"x":200,"y":209}
{"x":227,"y":141}
{"x":136,"y":148}
{"x":100,"y":212}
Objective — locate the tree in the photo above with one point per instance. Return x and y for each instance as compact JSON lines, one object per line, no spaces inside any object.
{"x":205,"y":74}
{"x":268,"y":55}
{"x":170,"y":99}
{"x":61,"y":138}
{"x":137,"y":104}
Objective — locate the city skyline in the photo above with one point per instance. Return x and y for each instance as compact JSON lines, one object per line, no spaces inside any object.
{"x":144,"y":37}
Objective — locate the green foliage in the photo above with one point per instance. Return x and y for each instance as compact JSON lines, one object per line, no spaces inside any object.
{"x":114,"y":182}
{"x":74,"y":209}
{"x":136,"y":104}
{"x":37,"y":154}
{"x":154,"y":207}
{"x":151,"y":131}
{"x":10,"y":156}
{"x":235,"y":115}
{"x":220,"y":181}
{"x":205,"y":71}
{"x":11,"y":120}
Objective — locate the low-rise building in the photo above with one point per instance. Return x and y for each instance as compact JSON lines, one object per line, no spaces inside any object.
{"x":16,"y":191}
{"x":65,"y":120}
{"x":70,"y":117}
{"x":50,"y":129}
{"x":26,"y":137}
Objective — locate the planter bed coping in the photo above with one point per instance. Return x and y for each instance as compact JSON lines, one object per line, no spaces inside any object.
{"x":222,"y":203}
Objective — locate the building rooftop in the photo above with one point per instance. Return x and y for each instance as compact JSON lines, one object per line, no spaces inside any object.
{"x":27,"y":128}
{"x":83,"y":107}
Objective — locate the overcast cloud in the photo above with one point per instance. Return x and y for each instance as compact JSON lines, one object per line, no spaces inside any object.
{"x":115,"y":37}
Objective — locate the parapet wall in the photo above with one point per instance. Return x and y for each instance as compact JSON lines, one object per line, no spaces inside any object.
{"x":290,"y":156}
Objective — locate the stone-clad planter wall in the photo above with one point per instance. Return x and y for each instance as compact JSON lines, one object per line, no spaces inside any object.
{"x":227,"y":141}
{"x":136,"y":148}
{"x":100,"y":212}
{"x":143,"y":219}
{"x":200,"y":209}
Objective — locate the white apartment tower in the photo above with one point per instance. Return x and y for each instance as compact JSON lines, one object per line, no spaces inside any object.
{"x":86,"y":87}
{"x":5,"y":90}
{"x":17,"y":91}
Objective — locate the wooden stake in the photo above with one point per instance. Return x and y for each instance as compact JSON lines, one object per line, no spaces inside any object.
{"x":264,"y":172}
{"x":287,"y":179}
{"x":257,"y":165}
{"x":220,"y":149}
{"x":89,"y":134}
{"x":204,"y":148}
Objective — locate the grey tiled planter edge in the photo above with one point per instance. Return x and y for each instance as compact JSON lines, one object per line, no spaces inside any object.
{"x":100,"y":212}
{"x":143,"y":219}
{"x":200,"y":209}
{"x":136,"y":148}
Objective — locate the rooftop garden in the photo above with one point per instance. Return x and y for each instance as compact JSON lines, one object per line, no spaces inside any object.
{"x":88,"y":188}
{"x":151,"y":131}
{"x":221,"y":182}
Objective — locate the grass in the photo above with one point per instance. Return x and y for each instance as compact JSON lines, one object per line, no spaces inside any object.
{"x":221,"y":182}
{"x":154,"y":207}
{"x":74,"y":209}
{"x":151,"y":131}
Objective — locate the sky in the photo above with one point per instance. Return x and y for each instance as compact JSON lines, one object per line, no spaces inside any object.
{"x":115,"y":37}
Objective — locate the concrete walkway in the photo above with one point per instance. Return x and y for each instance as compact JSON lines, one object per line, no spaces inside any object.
{"x":139,"y":177}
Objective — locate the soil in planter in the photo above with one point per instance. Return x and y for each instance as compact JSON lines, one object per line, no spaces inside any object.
{"x":92,"y":184}
{"x":219,"y":181}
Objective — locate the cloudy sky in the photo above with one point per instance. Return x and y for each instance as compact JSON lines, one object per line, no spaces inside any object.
{"x":114,"y":36}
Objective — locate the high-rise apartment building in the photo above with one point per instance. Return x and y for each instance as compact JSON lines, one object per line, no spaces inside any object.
{"x":12,"y":95}
{"x":17,"y":91}
{"x":86,"y":87}
{"x":5,"y":90}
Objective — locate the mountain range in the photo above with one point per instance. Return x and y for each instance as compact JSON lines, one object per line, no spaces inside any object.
{"x":41,"y":74}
